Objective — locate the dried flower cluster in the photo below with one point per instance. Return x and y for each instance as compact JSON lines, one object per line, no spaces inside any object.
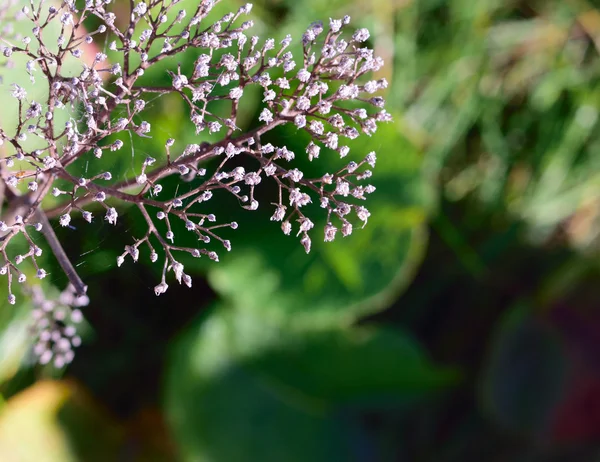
{"x":54,"y":325}
{"x":314,"y":93}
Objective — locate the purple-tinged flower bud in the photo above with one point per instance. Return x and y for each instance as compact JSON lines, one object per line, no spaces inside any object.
{"x":111,"y":216}
{"x":306,"y":242}
{"x":65,"y":219}
{"x":161,"y":288}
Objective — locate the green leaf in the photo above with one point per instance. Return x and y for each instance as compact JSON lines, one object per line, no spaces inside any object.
{"x":340,"y":280}
{"x":280,"y":393}
{"x":349,"y":366}
{"x":14,"y":336}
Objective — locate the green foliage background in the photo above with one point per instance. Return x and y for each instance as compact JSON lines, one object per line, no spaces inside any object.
{"x":461,"y":324}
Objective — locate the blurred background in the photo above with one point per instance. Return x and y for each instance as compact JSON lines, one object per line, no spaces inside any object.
{"x":462,"y":324}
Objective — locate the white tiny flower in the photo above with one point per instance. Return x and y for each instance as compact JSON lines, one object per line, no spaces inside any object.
{"x":306,"y":225}
{"x":316,"y":126}
{"x":269,"y":95}
{"x":361,"y":35}
{"x":115,"y":146}
{"x":236,"y":93}
{"x":87,"y":216}
{"x":371,"y":159}
{"x":111,"y":216}
{"x":335,"y":25}
{"x":330,"y":231}
{"x":178,"y":270}
{"x":303,"y":103}
{"x":252,"y":178}
{"x":279,"y":213}
{"x":161,"y":288}
{"x":342,"y":188}
{"x":266,"y":116}
{"x":270,"y":169}
{"x":116,"y":69}
{"x":283,"y":83}
{"x":65,"y":219}
{"x":303,"y":75}
{"x":346,"y":229}
{"x":66,"y":19}
{"x":306,"y":242}
{"x":140,"y":9}
{"x":313,"y":151}
{"x":19,"y":92}
{"x":179,"y":81}
{"x":363,"y":214}
{"x":295,"y":175}
{"x":144,"y":127}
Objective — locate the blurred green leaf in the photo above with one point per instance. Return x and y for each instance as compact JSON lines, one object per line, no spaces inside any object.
{"x":239,"y":388}
{"x":348,"y":366}
{"x":14,"y":336}
{"x":349,"y":277}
